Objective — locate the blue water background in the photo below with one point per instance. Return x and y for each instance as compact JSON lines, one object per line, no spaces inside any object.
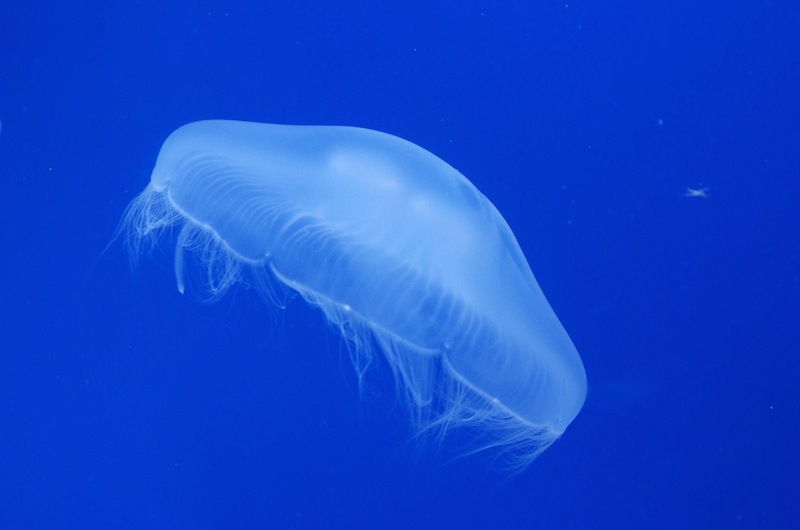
{"x":124,"y":404}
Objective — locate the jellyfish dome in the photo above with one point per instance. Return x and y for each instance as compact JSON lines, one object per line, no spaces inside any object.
{"x":400,"y":252}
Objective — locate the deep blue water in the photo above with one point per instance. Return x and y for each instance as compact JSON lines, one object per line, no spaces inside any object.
{"x":124,"y":404}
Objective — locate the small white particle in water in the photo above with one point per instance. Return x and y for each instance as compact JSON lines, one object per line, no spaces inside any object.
{"x":701,"y":192}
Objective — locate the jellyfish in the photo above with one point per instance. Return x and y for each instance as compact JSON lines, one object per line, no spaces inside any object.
{"x":401,"y":253}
